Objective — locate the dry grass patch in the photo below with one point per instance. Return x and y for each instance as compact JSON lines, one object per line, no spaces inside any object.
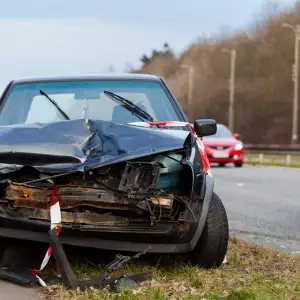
{"x":252,"y":272}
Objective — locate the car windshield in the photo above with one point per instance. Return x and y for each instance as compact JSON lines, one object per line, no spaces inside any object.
{"x":85,"y":99}
{"x":222,"y":132}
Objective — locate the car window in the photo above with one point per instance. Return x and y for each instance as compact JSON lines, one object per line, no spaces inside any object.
{"x":77,"y":109}
{"x":85,"y":100}
{"x":222,"y":132}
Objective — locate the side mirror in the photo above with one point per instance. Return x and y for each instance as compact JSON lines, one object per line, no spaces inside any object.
{"x":205,"y":127}
{"x":237,"y":136}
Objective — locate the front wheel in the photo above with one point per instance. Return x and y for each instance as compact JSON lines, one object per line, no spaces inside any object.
{"x":211,"y":248}
{"x":238,"y":164}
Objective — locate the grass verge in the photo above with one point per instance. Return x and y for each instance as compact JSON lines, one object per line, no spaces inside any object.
{"x":273,"y":160}
{"x":252,"y":272}
{"x":272,"y":163}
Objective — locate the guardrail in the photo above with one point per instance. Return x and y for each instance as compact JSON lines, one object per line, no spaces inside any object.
{"x":287,"y":149}
{"x":283,"y":155}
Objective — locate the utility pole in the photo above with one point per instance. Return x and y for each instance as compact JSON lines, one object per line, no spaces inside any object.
{"x":231,"y":86}
{"x":190,"y":89}
{"x":295,"y":79}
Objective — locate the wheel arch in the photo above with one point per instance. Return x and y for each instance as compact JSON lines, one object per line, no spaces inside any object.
{"x":207,"y":189}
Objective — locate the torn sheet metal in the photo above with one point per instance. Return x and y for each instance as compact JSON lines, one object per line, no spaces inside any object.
{"x":75,"y":145}
{"x":71,"y":196}
{"x":165,"y":202}
{"x":86,"y":217}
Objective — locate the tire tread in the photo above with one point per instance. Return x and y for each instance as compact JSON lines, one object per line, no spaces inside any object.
{"x":212,"y":246}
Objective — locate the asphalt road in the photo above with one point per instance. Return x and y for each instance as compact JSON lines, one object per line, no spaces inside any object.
{"x":262,"y":203}
{"x":13,"y":292}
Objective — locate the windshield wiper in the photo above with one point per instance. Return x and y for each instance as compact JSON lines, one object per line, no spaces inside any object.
{"x":127,"y":104}
{"x":66,"y":117}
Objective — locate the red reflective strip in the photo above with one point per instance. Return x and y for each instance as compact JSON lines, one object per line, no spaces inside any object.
{"x":57,"y":228}
{"x":192,"y":128}
{"x":172,"y":123}
{"x":49,"y":251}
{"x":54,"y":198}
{"x":205,"y":161}
{"x":162,"y":123}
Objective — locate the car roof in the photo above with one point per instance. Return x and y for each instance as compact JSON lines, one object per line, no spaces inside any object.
{"x":125,"y":76}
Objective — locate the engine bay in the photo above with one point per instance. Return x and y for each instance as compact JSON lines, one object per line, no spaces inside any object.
{"x":146,"y":190}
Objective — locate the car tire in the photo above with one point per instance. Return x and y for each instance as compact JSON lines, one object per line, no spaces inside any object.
{"x":238,"y":164}
{"x":211,"y":248}
{"x":222,"y":165}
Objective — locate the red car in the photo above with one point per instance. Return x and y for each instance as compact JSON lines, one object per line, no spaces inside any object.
{"x":224,"y":147}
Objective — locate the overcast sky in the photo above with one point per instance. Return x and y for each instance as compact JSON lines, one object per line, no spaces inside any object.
{"x":73,"y":37}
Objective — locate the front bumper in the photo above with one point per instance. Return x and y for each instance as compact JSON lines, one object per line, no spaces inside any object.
{"x":166,"y":237}
{"x":231,"y":159}
{"x":163,"y":241}
{"x":229,"y":156}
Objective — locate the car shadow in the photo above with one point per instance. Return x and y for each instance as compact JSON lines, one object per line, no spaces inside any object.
{"x":89,"y":261}
{"x":226,"y":166}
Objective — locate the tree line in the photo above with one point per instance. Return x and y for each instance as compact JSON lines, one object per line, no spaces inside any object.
{"x":264,"y":86}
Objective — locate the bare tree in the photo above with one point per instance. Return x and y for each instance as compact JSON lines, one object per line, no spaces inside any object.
{"x":263,"y":87}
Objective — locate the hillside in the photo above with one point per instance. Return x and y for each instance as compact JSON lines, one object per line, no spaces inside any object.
{"x":264,"y":87}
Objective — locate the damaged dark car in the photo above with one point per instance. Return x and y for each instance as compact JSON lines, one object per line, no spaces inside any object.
{"x":129,"y":170}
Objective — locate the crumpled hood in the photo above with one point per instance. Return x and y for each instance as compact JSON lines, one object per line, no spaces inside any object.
{"x":80,"y":145}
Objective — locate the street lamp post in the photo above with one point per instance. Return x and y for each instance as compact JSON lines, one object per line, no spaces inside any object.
{"x":295,"y":78}
{"x":232,"y":53}
{"x":190,"y":88}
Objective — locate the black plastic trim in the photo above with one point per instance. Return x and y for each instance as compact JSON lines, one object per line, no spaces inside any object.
{"x":95,"y":242}
{"x":209,"y":186}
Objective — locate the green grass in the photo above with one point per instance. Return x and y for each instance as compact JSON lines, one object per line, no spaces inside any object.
{"x":273,"y":160}
{"x":252,"y":272}
{"x":273,"y":163}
